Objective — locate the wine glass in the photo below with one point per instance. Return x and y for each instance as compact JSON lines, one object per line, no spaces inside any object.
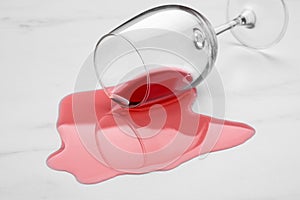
{"x":178,"y":38}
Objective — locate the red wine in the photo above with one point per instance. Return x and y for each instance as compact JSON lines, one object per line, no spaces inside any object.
{"x":101,"y":140}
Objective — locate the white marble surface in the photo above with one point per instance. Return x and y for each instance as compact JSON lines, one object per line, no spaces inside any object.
{"x":42,"y":47}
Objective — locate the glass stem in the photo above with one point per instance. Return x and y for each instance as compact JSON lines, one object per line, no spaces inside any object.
{"x":227,"y":26}
{"x":247,"y":19}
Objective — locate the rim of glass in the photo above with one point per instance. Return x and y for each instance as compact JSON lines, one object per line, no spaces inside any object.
{"x":99,"y":75}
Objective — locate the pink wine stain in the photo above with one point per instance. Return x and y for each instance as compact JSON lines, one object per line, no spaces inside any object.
{"x":101,"y":140}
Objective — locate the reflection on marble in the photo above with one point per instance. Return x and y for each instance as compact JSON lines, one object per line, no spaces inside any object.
{"x":44,"y":43}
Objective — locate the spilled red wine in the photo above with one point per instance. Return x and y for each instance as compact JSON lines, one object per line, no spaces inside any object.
{"x":101,"y":139}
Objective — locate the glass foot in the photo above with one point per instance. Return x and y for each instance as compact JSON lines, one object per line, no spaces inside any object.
{"x":264,"y":22}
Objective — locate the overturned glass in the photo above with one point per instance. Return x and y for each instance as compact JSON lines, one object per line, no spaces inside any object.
{"x":175,"y":37}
